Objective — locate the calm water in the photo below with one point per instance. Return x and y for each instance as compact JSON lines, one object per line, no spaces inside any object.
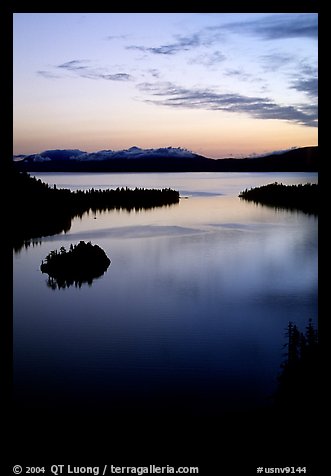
{"x":190,"y":315}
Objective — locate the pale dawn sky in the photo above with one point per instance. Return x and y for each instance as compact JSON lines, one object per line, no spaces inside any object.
{"x":218,"y":84}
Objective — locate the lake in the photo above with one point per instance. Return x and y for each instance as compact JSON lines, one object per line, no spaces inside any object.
{"x":190,"y":316}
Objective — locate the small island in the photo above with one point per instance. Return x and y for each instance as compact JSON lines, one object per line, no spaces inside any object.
{"x":81,"y":263}
{"x":303,"y":197}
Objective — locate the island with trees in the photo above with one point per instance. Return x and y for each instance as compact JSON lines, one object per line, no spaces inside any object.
{"x":303,"y":197}
{"x":80,"y":264}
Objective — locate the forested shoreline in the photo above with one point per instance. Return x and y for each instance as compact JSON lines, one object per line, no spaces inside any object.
{"x":39,"y":210}
{"x":302,"y":197}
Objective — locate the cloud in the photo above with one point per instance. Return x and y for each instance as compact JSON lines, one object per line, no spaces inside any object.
{"x":116,"y":76}
{"x":269,"y":27}
{"x":73,"y":65}
{"x":242,"y":75}
{"x":182,"y":43}
{"x":305,"y":80}
{"x":48,"y":74}
{"x":209,"y":59}
{"x":277,"y":26}
{"x":308,"y":86}
{"x":154,"y":72}
{"x":168,"y":94}
{"x":40,"y":158}
{"x":83,"y":69}
{"x":132,"y":153}
{"x":116,"y":37}
{"x":276,"y":61}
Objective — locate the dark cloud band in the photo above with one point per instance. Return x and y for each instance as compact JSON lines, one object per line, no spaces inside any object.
{"x":168,"y":94}
{"x":276,"y":27}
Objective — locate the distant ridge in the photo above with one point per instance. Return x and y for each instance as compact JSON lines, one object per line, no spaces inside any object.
{"x":169,"y":159}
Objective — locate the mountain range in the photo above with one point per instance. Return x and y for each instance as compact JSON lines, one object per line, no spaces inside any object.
{"x":167,"y":159}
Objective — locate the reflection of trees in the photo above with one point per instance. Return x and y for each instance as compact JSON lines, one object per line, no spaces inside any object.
{"x":41,"y":210}
{"x":37,"y":224}
{"x":58,"y":283}
{"x":62,"y":283}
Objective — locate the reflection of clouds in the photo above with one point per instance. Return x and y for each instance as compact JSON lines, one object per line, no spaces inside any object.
{"x":199,"y":193}
{"x":147,"y":231}
{"x":215,"y":267}
{"x":154,"y":231}
{"x":240,"y":226}
{"x":205,"y":306}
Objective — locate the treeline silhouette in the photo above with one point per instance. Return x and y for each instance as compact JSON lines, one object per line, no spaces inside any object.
{"x":298,"y":381}
{"x":40,"y":210}
{"x":302,"y":197}
{"x":80,"y":264}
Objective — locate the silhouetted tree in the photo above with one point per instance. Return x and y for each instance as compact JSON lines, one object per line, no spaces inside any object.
{"x":294,"y":343}
{"x":299,"y":377}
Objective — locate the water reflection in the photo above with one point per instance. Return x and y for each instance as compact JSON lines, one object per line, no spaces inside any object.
{"x":190,"y":318}
{"x":62,"y":283}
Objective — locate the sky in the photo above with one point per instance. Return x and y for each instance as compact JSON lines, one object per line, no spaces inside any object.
{"x":218,"y":84}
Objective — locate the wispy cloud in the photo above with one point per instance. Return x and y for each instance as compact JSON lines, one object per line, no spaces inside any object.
{"x":115,"y":76}
{"x":83,"y":69}
{"x":268,"y":27}
{"x":182,"y":43}
{"x":275,"y":61}
{"x":154,"y":72}
{"x":168,"y":94}
{"x":240,"y":74}
{"x":277,"y":26}
{"x":209,"y":59}
{"x":74,"y":65}
{"x":48,"y":74}
{"x":116,"y":37}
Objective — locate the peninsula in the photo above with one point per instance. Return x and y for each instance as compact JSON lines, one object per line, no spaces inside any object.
{"x":43,"y":211}
{"x":302,"y":197}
